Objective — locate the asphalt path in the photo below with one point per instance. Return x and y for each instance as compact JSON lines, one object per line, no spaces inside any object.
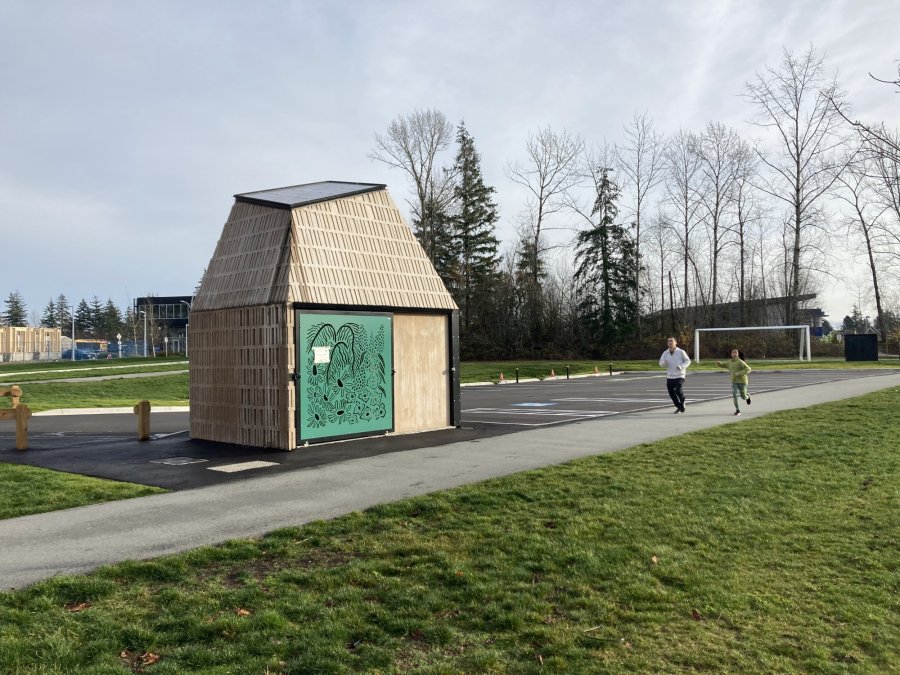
{"x":270,"y":497}
{"x":106,"y":446}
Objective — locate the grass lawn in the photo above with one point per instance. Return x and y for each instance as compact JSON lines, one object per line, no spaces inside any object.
{"x":160,"y":390}
{"x":17,"y":373}
{"x":26,"y":489}
{"x":768,"y":546}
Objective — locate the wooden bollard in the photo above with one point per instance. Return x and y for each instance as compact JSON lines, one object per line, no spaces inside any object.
{"x":142,"y":410}
{"x":22,"y":415}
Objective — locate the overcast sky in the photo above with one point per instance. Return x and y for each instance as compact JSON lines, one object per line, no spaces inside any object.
{"x":127,"y":127}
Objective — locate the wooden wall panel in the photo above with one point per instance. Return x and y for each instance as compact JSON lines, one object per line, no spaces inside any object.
{"x":422,"y":380}
{"x":240,"y":390}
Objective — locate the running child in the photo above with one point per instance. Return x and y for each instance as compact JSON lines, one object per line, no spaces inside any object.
{"x":739,"y":380}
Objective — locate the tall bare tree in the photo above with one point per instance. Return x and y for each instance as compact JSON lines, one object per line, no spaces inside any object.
{"x":640,"y":160}
{"x":875,"y":135}
{"x":886,"y":181}
{"x":863,"y":223}
{"x":548,"y":173}
{"x":747,"y":211}
{"x":682,"y":187}
{"x":412,"y":144}
{"x":801,"y":106}
{"x":717,"y":148}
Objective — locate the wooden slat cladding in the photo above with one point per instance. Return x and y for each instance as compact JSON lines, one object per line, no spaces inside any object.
{"x":358,"y":251}
{"x":421,"y":381}
{"x":246,"y":260}
{"x":354,"y":251}
{"x":240,"y":388}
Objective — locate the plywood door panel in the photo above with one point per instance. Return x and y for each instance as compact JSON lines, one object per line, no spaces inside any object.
{"x":421,"y":382}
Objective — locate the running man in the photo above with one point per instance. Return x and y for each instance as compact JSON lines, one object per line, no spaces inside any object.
{"x":675,"y":360}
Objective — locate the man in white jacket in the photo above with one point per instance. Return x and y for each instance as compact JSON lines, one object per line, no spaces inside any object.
{"x":675,"y":360}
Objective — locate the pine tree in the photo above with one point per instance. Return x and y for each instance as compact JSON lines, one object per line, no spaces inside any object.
{"x":63,"y":314}
{"x":83,"y":318}
{"x":15,"y":314}
{"x":49,"y":318}
{"x":474,"y":223}
{"x":434,"y":231}
{"x":605,"y":258}
{"x":96,"y":314}
{"x":111,"y":321}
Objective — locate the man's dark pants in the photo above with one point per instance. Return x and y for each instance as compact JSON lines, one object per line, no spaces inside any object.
{"x":674,"y":387}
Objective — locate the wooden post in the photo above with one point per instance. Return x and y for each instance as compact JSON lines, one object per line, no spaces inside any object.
{"x":22,"y":415}
{"x":14,"y":392}
{"x":142,"y":410}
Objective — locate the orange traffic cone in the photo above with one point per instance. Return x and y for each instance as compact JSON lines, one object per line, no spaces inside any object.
{"x":552,"y":373}
{"x":596,"y":371}
{"x":502,"y":380}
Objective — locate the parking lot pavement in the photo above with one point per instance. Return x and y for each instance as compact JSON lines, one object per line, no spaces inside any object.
{"x":105,"y":445}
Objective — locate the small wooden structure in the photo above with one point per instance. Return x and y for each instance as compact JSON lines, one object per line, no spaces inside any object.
{"x":320,"y":317}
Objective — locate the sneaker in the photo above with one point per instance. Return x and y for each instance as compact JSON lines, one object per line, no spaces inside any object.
{"x":748,"y":400}
{"x":677,"y":410}
{"x":681,"y":409}
{"x":737,"y":412}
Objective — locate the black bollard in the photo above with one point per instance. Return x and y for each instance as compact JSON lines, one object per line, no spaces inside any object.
{"x":517,"y":376}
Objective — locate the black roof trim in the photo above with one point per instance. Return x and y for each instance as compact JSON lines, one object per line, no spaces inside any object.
{"x":308,"y":193}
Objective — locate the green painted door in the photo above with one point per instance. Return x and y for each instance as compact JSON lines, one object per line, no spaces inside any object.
{"x":345,"y":365}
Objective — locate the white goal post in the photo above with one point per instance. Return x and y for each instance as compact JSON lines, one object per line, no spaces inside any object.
{"x":803,"y":342}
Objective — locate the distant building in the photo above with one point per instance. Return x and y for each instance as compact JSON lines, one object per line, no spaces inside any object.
{"x":761,"y":312}
{"x":166,"y":317}
{"x":21,"y":343}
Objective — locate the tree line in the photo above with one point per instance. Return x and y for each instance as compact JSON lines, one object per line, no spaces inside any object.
{"x":92,"y":319}
{"x":661,"y":232}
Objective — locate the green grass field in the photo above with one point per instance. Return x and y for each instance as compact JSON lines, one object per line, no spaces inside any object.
{"x":769,"y":546}
{"x":27,"y":489}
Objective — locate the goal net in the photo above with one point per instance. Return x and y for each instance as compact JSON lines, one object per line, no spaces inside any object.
{"x":804,"y":342}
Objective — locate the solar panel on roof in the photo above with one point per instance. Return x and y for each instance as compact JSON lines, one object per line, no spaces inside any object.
{"x":310,"y":193}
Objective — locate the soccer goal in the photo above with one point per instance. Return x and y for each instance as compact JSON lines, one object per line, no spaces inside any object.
{"x":803,"y":342}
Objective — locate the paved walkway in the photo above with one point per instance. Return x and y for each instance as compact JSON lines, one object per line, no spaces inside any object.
{"x":78,"y":540}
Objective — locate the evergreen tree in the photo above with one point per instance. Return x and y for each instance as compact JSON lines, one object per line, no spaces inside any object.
{"x":474,"y":222}
{"x":50,"y":318}
{"x":63,"y":314}
{"x":15,"y":314}
{"x":83,"y":318}
{"x":606,"y":258}
{"x":530,"y":275}
{"x":435,"y":232}
{"x":96,"y":314}
{"x":111,"y":321}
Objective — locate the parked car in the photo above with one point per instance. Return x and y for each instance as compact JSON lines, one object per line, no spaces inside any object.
{"x":80,"y":355}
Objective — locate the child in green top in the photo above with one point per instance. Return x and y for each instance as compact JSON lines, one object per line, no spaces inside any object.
{"x":739,"y":379}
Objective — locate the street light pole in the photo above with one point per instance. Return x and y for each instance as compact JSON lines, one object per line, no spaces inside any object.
{"x":186,"y":324}
{"x":145,"y":332}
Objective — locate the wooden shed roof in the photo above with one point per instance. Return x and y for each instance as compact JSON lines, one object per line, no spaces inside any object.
{"x":327,"y":243}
